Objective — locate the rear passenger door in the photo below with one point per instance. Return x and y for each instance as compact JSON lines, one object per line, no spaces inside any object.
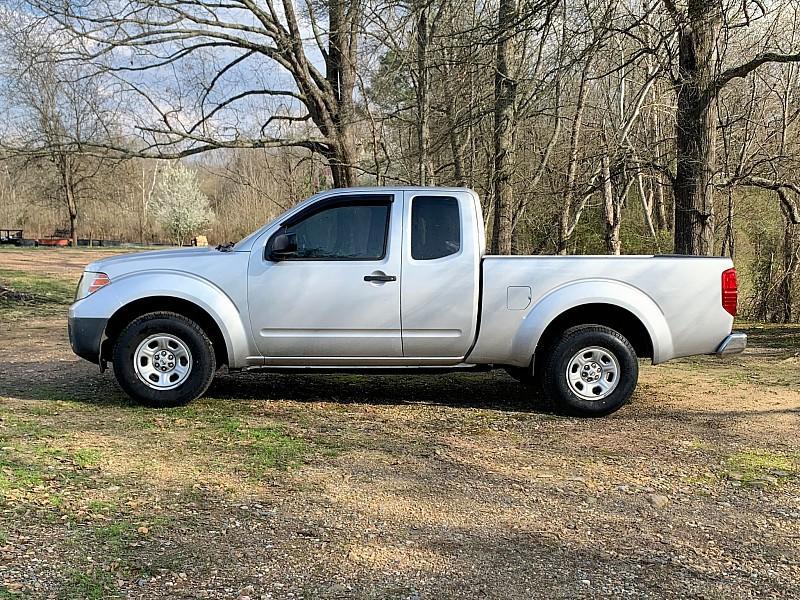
{"x":440,"y":274}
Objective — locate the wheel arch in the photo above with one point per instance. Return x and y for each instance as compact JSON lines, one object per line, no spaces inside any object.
{"x":608,"y":315}
{"x":141,"y":306}
{"x":185,"y":294}
{"x":598,"y":302}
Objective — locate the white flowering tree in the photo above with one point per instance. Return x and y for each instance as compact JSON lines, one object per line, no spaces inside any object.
{"x":180,"y":207}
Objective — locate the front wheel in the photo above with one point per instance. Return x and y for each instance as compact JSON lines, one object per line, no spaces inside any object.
{"x":163,"y":359}
{"x":590,"y":371}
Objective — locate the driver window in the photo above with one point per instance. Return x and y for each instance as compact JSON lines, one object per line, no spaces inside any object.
{"x":354,"y":230}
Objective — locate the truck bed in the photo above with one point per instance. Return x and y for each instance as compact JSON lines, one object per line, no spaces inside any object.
{"x":678,"y":299}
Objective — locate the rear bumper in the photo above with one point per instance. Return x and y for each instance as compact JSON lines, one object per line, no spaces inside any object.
{"x":85,"y":336}
{"x":735,"y":343}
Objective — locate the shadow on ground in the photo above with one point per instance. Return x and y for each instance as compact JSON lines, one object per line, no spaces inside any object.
{"x":778,"y":336}
{"x":76,"y":382}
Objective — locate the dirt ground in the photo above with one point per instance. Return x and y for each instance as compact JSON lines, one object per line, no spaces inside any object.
{"x":451,"y":486}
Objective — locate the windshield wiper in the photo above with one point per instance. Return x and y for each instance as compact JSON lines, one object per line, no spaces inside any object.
{"x":226,"y":247}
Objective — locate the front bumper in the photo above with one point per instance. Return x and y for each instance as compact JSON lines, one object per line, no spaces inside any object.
{"x":735,"y":343}
{"x":85,"y":336}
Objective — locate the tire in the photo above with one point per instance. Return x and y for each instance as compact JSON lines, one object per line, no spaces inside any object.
{"x":590,"y":371}
{"x":169,"y":350}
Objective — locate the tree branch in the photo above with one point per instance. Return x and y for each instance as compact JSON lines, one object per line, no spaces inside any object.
{"x":781,"y":187}
{"x":745,"y":69}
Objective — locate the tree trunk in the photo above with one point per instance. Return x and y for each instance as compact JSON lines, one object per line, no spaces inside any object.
{"x":424,"y":167}
{"x":456,"y":146}
{"x":148,"y":188}
{"x":341,"y":158}
{"x":566,"y":224}
{"x":505,"y":90}
{"x":340,"y":73}
{"x":791,"y":266}
{"x":729,"y":239}
{"x":611,"y":208}
{"x":646,"y":197}
{"x":65,"y":164}
{"x":662,"y":222}
{"x":696,"y":125}
{"x":73,"y":228}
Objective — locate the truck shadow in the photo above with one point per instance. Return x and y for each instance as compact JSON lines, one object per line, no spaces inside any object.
{"x":494,"y":389}
{"x":74,"y":381}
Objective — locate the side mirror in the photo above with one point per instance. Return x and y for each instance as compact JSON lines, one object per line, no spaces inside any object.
{"x":284,"y":245}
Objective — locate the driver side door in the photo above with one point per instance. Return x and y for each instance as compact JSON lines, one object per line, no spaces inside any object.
{"x":335,"y":299}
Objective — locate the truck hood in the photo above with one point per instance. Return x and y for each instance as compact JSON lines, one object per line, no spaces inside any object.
{"x":181,"y":259}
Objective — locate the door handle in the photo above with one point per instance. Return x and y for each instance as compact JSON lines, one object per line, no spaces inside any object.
{"x":380,"y":278}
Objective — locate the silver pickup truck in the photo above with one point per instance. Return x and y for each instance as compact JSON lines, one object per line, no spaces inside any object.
{"x":397,"y":279}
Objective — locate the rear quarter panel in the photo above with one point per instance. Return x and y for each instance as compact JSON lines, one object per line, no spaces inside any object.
{"x":677,"y":298}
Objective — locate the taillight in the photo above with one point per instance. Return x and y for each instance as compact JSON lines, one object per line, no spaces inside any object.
{"x":730,"y":291}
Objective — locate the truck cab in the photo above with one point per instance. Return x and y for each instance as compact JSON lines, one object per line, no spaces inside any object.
{"x":368,"y":278}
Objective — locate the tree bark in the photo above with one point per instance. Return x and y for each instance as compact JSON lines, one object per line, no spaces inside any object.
{"x":424,"y":167}
{"x":505,"y":90}
{"x":611,"y":208}
{"x":340,"y":72}
{"x":791,"y":265}
{"x":729,"y":239}
{"x":646,"y":198}
{"x":566,"y":224}
{"x":696,"y":124}
{"x":73,"y":228}
{"x":456,"y":145}
{"x":341,"y":158}
{"x":659,"y":202}
{"x":65,"y":164}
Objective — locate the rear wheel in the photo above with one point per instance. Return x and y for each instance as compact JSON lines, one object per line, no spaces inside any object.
{"x":163,"y":359}
{"x":591,"y":371}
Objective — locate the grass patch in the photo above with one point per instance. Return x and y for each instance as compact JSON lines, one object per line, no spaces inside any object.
{"x":102,"y":506}
{"x":115,"y":533}
{"x":266,"y":448}
{"x":271,"y":448}
{"x":783,"y":336}
{"x":86,"y":457}
{"x":24,"y":428}
{"x":699,"y":480}
{"x":19,"y":477}
{"x":45,"y":289}
{"x":760,"y":467}
{"x":86,"y":585}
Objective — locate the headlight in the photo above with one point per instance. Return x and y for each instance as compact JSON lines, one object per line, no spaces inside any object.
{"x":90,"y":283}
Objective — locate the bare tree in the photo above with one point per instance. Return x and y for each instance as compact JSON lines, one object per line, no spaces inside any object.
{"x":53,"y":115}
{"x":505,"y":123}
{"x":214,"y":49}
{"x":702,"y":29}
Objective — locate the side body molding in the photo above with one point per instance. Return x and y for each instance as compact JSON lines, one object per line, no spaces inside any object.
{"x":185,"y":286}
{"x":592,"y":291}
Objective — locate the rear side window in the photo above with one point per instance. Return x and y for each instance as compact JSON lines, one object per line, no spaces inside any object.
{"x":435,"y":227}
